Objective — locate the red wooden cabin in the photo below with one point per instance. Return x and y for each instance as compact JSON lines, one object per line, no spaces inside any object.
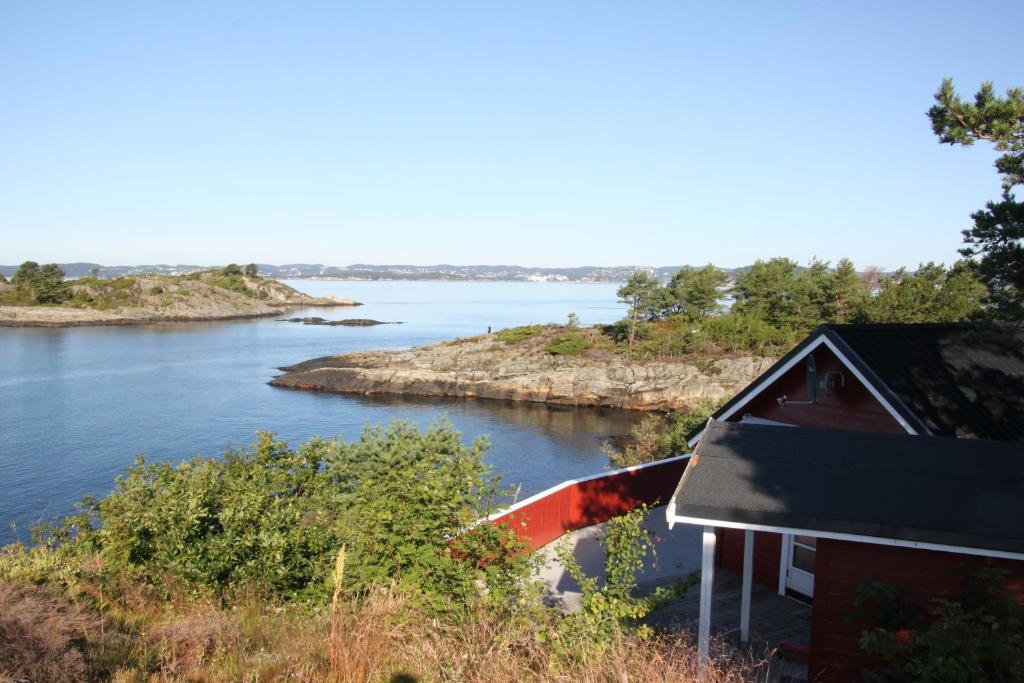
{"x":908,"y":381}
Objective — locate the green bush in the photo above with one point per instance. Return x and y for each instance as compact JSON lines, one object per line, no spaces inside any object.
{"x":736,"y":332}
{"x":661,"y":436}
{"x":514,"y":335}
{"x":977,"y":635}
{"x":272,"y":518}
{"x":571,"y":344}
{"x":609,"y":607}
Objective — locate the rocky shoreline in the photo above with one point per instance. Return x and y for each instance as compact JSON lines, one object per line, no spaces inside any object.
{"x":487,"y":367}
{"x":348,"y":322}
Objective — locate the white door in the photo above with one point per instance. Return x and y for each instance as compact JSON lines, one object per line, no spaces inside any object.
{"x":800,"y":552}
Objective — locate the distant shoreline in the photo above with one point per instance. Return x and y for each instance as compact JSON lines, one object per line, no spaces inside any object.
{"x":336,"y":278}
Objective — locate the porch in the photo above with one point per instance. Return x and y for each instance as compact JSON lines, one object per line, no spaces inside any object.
{"x":774,"y":618}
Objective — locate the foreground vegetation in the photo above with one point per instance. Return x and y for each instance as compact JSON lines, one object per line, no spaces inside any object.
{"x":229,"y":569}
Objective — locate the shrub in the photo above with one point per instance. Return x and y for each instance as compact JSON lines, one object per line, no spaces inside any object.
{"x":514,"y":335}
{"x":271,"y":518}
{"x":736,"y":331}
{"x":572,"y":344}
{"x":608,"y":607}
{"x":657,"y":437}
{"x":977,"y":636}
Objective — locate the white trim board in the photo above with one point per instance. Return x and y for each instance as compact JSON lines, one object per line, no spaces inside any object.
{"x":874,"y":540}
{"x":768,"y":380}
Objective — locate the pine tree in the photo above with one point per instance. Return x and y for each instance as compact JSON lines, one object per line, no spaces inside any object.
{"x":996,"y":238}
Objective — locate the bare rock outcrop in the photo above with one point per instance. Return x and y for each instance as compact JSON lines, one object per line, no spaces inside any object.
{"x":486,"y":367}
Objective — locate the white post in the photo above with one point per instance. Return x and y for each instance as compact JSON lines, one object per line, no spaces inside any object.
{"x":748,"y":575}
{"x":707,"y":578}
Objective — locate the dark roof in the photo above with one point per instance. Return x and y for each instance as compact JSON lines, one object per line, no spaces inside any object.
{"x":957,"y":492}
{"x":957,"y":379}
{"x":945,"y":379}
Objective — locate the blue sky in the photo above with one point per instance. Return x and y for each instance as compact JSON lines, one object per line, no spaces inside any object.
{"x":537,"y":133}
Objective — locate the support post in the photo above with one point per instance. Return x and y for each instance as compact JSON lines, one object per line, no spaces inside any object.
{"x":707,"y":578}
{"x":748,"y":576}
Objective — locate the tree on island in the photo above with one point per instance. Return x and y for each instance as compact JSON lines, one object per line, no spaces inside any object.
{"x":44,"y":285}
{"x":252,"y":270}
{"x":997,"y":238}
{"x":694,"y":292}
{"x":645,"y":297}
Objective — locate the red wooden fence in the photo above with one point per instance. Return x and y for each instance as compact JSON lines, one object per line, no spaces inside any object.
{"x":579,"y":503}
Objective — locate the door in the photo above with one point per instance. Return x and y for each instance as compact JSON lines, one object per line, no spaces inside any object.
{"x":800,"y":571}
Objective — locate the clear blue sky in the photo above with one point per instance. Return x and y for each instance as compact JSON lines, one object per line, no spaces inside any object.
{"x":537,"y":133}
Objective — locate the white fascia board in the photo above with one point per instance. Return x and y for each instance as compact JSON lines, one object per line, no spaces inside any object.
{"x":874,"y":540}
{"x":790,"y":364}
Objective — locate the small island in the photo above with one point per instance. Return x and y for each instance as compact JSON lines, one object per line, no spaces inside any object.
{"x":39,"y":296}
{"x":552,"y":364}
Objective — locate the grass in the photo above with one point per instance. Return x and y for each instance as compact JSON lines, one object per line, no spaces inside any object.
{"x":381,"y":637}
{"x":515,"y":335}
{"x":570,"y":344}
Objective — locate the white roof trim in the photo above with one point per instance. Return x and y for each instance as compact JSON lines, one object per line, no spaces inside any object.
{"x":768,"y":380}
{"x":876,"y":540}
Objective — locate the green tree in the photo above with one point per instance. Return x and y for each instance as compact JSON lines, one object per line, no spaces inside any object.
{"x":94,"y":272}
{"x":231,"y":269}
{"x":767,"y":291}
{"x":931,"y":294}
{"x":48,"y":285}
{"x":24,"y":274}
{"x":995,"y":240}
{"x":845,"y":294}
{"x":694,"y":292}
{"x":645,"y":297}
{"x":990,"y":118}
{"x":252,"y":270}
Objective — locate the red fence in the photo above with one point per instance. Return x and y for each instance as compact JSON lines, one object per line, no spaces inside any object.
{"x":579,"y":503}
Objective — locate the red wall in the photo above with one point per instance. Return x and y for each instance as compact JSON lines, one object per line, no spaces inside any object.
{"x":767,"y":547}
{"x":841,"y":566}
{"x":851,"y":408}
{"x":592,"y":501}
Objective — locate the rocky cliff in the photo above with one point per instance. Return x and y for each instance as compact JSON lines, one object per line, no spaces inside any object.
{"x":487,"y":367}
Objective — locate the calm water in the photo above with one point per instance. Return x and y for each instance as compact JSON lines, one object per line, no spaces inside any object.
{"x":76,"y":405}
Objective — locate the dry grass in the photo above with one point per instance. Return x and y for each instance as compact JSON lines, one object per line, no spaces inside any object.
{"x":382,"y":644}
{"x":44,"y":638}
{"x":382,"y":638}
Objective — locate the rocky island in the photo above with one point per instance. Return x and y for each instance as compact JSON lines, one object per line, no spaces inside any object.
{"x":529,"y":364}
{"x":39,"y":300}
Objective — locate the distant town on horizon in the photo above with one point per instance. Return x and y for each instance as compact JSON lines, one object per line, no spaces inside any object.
{"x":364,"y":271}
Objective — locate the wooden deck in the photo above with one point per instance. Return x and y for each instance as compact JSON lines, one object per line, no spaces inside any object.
{"x":773,"y":619}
